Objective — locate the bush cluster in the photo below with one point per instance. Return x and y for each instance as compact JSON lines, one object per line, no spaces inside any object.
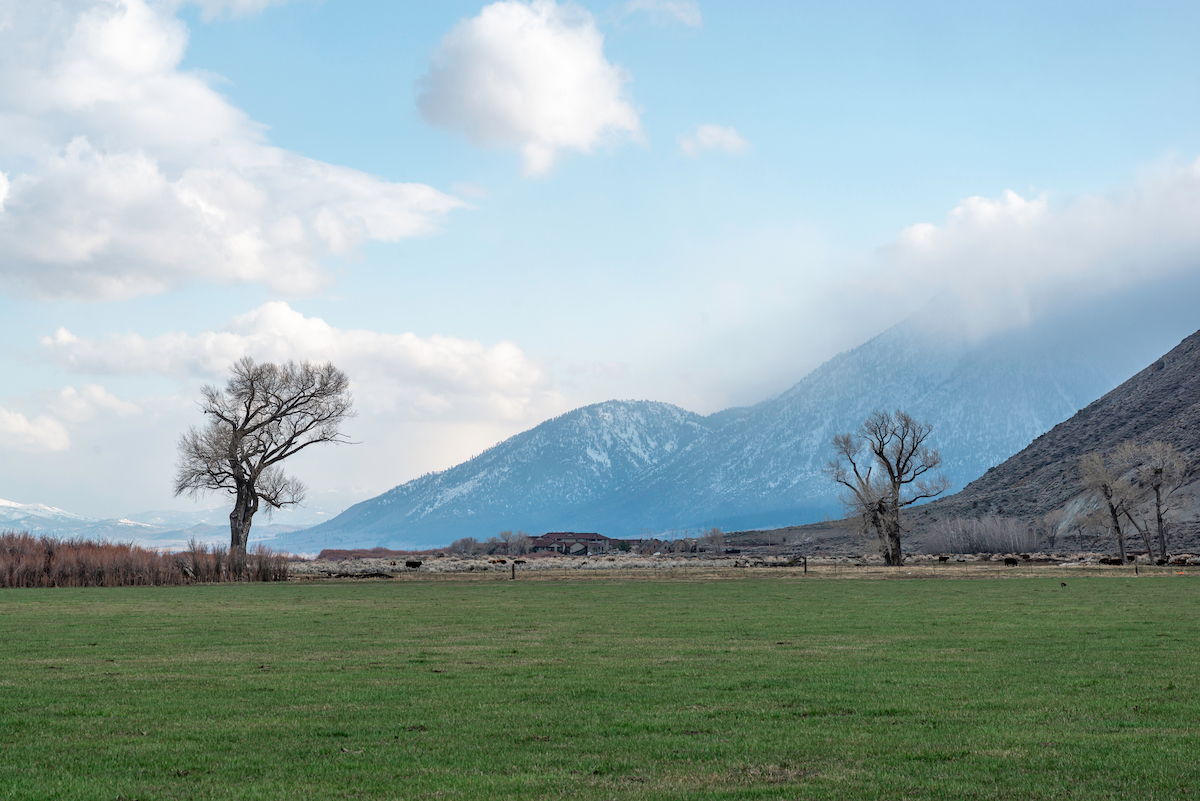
{"x":990,"y":534}
{"x":29,"y":561}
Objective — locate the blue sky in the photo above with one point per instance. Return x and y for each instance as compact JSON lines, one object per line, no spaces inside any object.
{"x":693,"y":202}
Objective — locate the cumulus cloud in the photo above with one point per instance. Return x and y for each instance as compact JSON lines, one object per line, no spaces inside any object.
{"x":712,"y":137}
{"x":124,"y":175}
{"x":1006,"y":258}
{"x":437,"y":377}
{"x":19,"y":433}
{"x":78,"y":405}
{"x":531,"y":76}
{"x":684,"y":11}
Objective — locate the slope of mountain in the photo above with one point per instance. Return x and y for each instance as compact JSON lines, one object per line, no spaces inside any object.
{"x":627,"y":467}
{"x":1160,"y":402}
{"x":545,"y":477}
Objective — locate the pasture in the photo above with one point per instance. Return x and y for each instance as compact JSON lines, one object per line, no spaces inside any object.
{"x":765,"y":686}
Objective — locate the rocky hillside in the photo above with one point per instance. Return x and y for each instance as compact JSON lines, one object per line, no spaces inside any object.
{"x":1160,"y":402}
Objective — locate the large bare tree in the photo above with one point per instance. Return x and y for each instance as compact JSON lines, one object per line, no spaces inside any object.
{"x":265,"y":414}
{"x":886,"y":466}
{"x":1115,"y":494}
{"x":1162,"y":469}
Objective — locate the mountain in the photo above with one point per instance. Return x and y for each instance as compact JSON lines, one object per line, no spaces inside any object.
{"x":549,"y":476}
{"x":627,"y":467}
{"x":37,"y":518}
{"x":162,"y":529}
{"x":1160,"y":402}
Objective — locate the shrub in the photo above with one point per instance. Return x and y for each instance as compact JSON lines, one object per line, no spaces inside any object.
{"x":990,"y":534}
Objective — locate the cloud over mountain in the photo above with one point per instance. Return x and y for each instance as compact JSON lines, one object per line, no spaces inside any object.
{"x":1012,"y":259}
{"x":532,"y":76}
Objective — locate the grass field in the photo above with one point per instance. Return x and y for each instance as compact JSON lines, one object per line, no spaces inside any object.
{"x":769,"y":687}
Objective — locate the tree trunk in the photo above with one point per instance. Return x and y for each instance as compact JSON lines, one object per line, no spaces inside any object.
{"x":892,"y":556}
{"x":1116,"y":524}
{"x":1162,"y":526}
{"x":239,"y":527}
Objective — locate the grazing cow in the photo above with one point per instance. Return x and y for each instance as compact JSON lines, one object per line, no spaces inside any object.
{"x":1026,"y":557}
{"x":1160,"y":562}
{"x":413,"y":564}
{"x":1111,"y":560}
{"x":1181,"y":561}
{"x":1011,"y":561}
{"x":1062,"y":583}
{"x":393,"y":564}
{"x":943,"y":558}
{"x":518,"y":561}
{"x":497,"y":562}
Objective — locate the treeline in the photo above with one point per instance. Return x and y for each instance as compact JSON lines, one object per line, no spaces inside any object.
{"x":30,"y":561}
{"x":508,"y":543}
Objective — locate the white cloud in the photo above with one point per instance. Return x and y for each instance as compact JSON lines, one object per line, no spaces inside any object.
{"x":234,"y":8}
{"x":77,"y":405}
{"x":684,"y":11}
{"x":712,"y":137}
{"x":19,"y":433}
{"x":531,"y":76}
{"x":126,"y":176}
{"x":1006,"y":259}
{"x":438,"y":377}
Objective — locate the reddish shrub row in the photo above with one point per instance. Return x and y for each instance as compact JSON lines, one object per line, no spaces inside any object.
{"x":29,"y":561}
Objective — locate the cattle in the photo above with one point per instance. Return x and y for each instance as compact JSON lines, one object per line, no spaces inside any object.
{"x":1062,"y":583}
{"x":411,"y":563}
{"x":393,"y":564}
{"x":1160,"y":562}
{"x":1180,"y":561}
{"x":498,"y":561}
{"x":943,"y":558}
{"x":518,"y":561}
{"x":1111,"y":560}
{"x":1011,"y":561}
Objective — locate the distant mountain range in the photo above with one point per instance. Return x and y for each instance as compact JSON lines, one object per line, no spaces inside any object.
{"x":626,"y":468}
{"x":158,"y":529}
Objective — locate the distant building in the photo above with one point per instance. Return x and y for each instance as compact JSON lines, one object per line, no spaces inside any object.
{"x":573,"y":543}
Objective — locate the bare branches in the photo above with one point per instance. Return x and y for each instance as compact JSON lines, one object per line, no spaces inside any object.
{"x":265,"y":414}
{"x":886,"y":466}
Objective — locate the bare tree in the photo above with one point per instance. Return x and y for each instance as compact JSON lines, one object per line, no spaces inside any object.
{"x":1160,"y":468}
{"x":265,"y":414}
{"x":715,"y":539}
{"x":886,"y":466}
{"x":1103,"y":478}
{"x":467,"y":546}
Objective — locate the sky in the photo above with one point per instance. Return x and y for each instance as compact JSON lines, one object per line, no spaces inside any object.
{"x":490,"y":214}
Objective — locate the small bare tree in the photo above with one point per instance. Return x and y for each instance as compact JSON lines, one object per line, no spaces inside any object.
{"x":714,"y":538}
{"x":886,"y":466}
{"x":266,"y":413}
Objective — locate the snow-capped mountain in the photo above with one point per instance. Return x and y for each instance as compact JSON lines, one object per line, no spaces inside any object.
{"x":37,"y":518}
{"x":625,"y":467}
{"x":534,"y":479}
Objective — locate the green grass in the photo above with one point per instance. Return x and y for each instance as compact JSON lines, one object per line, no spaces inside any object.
{"x":754,"y":688}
